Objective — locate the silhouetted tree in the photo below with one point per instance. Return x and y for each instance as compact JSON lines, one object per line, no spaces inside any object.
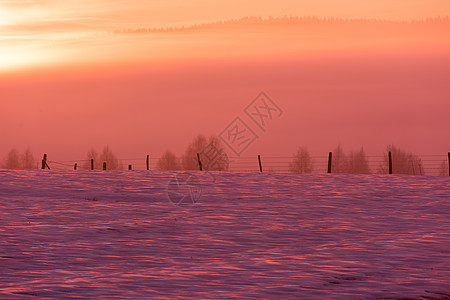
{"x":301,"y":161}
{"x":357,"y":162}
{"x":402,"y":162}
{"x":212,"y":154}
{"x":168,"y":161}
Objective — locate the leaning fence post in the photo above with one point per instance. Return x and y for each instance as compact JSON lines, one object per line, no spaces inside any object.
{"x":44,"y":161}
{"x":390,"y":162}
{"x":260,"y":165}
{"x":92,"y":164}
{"x":148,"y":162}
{"x":75,"y":166}
{"x":199,"y":162}
{"x":104,"y":166}
{"x":330,"y":159}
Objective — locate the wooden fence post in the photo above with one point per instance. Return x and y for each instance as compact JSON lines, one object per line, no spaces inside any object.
{"x":449,"y":164}
{"x":390,"y":162}
{"x":44,"y":161}
{"x":199,"y":162}
{"x":75,"y":166}
{"x":260,"y":165}
{"x":148,"y":162}
{"x":330,"y":160}
{"x":129,"y":167}
{"x":104,"y":166}
{"x":92,"y":164}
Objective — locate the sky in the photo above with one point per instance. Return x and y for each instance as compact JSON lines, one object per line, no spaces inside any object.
{"x":72,"y":78}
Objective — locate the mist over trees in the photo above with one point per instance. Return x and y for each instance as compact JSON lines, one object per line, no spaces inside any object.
{"x":112,"y":163}
{"x":301,"y":161}
{"x":15,"y":160}
{"x":402,"y":162}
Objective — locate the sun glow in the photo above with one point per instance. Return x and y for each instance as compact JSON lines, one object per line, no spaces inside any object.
{"x":5,"y":17}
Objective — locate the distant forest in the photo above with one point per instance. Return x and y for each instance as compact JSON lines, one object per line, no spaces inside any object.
{"x":297,"y":23}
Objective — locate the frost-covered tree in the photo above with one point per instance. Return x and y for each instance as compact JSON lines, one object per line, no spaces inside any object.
{"x":12,"y":160}
{"x":28,"y":161}
{"x":168,"y":161}
{"x":339,"y":162}
{"x":15,"y":160}
{"x":357,"y":162}
{"x":301,"y":161}
{"x":402,"y":162}
{"x":91,"y":154}
{"x":189,"y":158}
{"x":212,"y":154}
{"x":112,"y":163}
{"x":443,"y":169}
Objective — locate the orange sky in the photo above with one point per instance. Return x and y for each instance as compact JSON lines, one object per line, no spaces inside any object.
{"x":68,"y":81}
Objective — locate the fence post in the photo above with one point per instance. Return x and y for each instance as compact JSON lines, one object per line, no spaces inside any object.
{"x":260,"y":165}
{"x":449,"y":164}
{"x":390,"y":162}
{"x":44,"y":161}
{"x":129,"y":167}
{"x":92,"y":164}
{"x":330,"y":159}
{"x":199,"y":162}
{"x":104,"y":166}
{"x":75,"y":166}
{"x":148,"y":162}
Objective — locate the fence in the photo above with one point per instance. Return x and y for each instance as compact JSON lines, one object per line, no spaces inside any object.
{"x":426,"y":165}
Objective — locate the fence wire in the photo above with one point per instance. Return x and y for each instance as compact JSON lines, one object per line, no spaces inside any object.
{"x":433,"y":165}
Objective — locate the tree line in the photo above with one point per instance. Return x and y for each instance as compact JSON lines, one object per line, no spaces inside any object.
{"x":212,"y":155}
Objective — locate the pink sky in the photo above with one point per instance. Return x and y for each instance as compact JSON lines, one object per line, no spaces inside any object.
{"x":67,"y":82}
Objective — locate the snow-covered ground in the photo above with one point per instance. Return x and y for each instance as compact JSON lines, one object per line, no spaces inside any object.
{"x":118,"y":234}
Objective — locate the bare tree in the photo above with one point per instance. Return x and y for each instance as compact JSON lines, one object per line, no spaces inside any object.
{"x":443,"y":169}
{"x":112,"y":163}
{"x":28,"y":160}
{"x":168,"y":161}
{"x":357,"y":162}
{"x":301,"y":161}
{"x":91,"y":154}
{"x":339,"y":162}
{"x":212,"y":154}
{"x":402,"y":162}
{"x":189,"y":158}
{"x":12,"y":160}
